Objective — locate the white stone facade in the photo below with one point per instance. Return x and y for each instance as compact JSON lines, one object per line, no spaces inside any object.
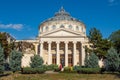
{"x":61,"y":40}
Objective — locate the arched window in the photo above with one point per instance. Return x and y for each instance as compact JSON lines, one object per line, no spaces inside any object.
{"x":42,"y":29}
{"x":70,"y":26}
{"x":46,"y":28}
{"x":62,"y":26}
{"x":53,"y":27}
{"x":77,"y":28}
{"x":82,"y":29}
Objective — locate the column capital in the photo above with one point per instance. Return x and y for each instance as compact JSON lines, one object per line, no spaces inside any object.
{"x":57,"y":42}
{"x":66,"y":42}
{"x":41,"y":42}
{"x":49,"y":42}
{"x":74,"y":42}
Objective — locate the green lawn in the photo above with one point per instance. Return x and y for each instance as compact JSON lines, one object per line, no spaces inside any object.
{"x":61,"y":76}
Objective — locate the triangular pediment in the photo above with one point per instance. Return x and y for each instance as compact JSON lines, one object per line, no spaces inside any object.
{"x":61,"y":32}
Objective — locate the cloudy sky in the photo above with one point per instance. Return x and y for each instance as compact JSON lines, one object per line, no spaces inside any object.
{"x":21,"y":18}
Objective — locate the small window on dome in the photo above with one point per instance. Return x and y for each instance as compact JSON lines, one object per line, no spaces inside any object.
{"x":54,"y":27}
{"x":46,"y":28}
{"x":70,"y":26}
{"x":42,"y":29}
{"x":77,"y":28}
{"x":62,"y":26}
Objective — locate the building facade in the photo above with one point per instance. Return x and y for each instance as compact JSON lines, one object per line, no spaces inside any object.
{"x":61,"y":40}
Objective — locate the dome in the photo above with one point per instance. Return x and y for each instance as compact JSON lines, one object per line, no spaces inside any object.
{"x":62,"y":15}
{"x":62,"y":19}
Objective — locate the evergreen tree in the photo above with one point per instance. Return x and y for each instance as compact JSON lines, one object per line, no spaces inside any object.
{"x":95,"y":37}
{"x":1,"y":60}
{"x":113,"y":60}
{"x":15,"y":60}
{"x":36,"y":61}
{"x":115,"y":38}
{"x":86,"y":60}
{"x":91,"y":61}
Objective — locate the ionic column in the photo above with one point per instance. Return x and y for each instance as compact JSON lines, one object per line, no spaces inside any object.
{"x":74,"y":54}
{"x":49,"y":54}
{"x":82,"y":54}
{"x":41,"y":49}
{"x":58,"y":55}
{"x":36,"y":48}
{"x":66,"y":53}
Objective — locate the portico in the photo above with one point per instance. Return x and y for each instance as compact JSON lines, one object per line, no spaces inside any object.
{"x":68,"y":53}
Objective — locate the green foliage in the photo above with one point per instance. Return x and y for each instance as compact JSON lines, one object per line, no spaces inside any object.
{"x":97,"y":41}
{"x":113,"y":60}
{"x":22,"y":46}
{"x":115,"y":38}
{"x":1,"y":60}
{"x":51,"y":67}
{"x":29,"y":70}
{"x":67,"y":69}
{"x":36,"y":61}
{"x":56,"y":69}
{"x":94,"y":36}
{"x":91,"y":61}
{"x":15,"y":60}
{"x":76,"y":68}
{"x":89,"y":70}
{"x":8,"y":47}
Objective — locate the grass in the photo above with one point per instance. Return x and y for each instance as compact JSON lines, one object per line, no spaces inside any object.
{"x":61,"y":76}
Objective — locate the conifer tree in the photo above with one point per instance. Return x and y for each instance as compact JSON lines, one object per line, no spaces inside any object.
{"x":1,"y":60}
{"x":36,"y":61}
{"x":113,"y":60}
{"x":15,"y":60}
{"x":91,"y":61}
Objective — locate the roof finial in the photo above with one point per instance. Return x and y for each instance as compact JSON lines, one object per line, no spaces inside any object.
{"x":62,"y":9}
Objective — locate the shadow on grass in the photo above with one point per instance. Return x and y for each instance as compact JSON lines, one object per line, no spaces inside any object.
{"x":7,"y":74}
{"x":117,"y":74}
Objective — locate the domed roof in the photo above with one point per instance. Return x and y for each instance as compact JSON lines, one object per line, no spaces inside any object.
{"x":62,"y":15}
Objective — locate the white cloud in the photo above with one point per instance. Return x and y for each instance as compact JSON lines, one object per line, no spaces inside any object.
{"x":113,"y":2}
{"x":12,"y":26}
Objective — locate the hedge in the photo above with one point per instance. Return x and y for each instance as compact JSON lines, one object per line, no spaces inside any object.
{"x":89,"y":70}
{"x":29,"y":70}
{"x":56,"y":69}
{"x":68,"y":70}
{"x":50,"y":67}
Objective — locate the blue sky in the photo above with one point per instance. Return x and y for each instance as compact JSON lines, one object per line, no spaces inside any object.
{"x":21,"y":18}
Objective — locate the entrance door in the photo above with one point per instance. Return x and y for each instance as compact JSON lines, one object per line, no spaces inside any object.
{"x":70,"y":59}
{"x":62,"y":59}
{"x":53,"y":58}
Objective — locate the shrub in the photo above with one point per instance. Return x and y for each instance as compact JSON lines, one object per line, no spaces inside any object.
{"x":69,"y":70}
{"x":91,"y":61}
{"x":89,"y":70}
{"x":29,"y":70}
{"x":15,"y":60}
{"x":36,"y":61}
{"x":1,"y":60}
{"x":112,"y":60}
{"x":56,"y":69}
{"x":76,"y":68}
{"x":51,"y":67}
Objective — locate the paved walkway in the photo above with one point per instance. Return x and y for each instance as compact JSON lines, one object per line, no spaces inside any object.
{"x":51,"y":72}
